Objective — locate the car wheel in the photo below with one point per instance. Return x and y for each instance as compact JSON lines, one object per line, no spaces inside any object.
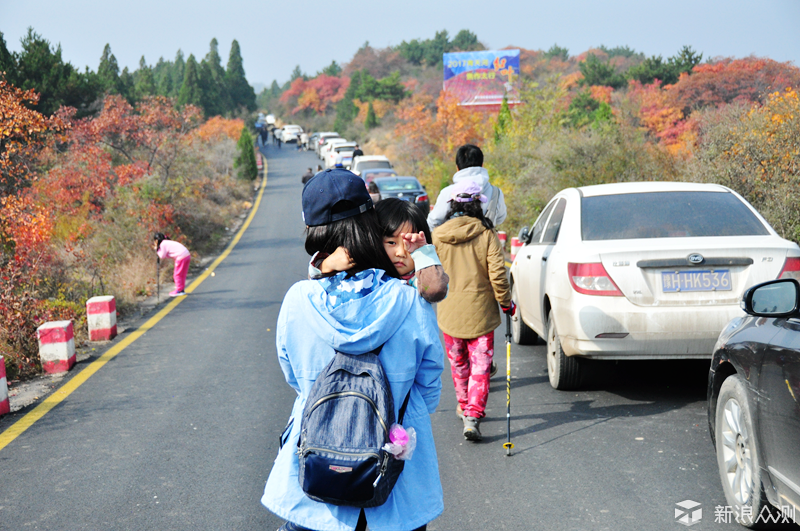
{"x":522,"y":333}
{"x":737,"y":454}
{"x":564,"y":371}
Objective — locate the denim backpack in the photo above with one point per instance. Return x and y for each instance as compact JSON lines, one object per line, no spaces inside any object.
{"x":345,"y":425}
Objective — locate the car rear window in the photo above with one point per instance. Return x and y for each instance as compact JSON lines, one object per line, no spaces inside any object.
{"x":372,"y":164}
{"x":667,"y":215}
{"x":396,"y":185}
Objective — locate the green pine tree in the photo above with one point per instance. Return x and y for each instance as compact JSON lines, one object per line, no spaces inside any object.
{"x":108,"y":71}
{"x":127,"y":85}
{"x":144,"y":84}
{"x":503,"y":120}
{"x":371,"y":121}
{"x":162,"y":75}
{"x":178,"y":74}
{"x":8,"y":63}
{"x":245,"y":162}
{"x":240,"y":91}
{"x":218,"y":100}
{"x":191,"y":92}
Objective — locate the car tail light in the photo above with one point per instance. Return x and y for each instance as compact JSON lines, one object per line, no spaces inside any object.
{"x":592,"y":279}
{"x":791,"y":269}
{"x":421,"y":198}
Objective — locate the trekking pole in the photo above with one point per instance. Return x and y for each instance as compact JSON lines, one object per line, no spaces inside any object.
{"x":508,"y":445}
{"x":158,"y":279}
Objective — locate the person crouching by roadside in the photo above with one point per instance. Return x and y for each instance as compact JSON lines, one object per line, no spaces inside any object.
{"x":473,"y":258}
{"x":166,"y":248}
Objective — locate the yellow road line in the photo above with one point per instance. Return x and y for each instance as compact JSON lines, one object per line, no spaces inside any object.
{"x":16,"y":429}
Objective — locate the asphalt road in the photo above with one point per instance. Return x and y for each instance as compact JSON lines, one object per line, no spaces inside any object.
{"x":180,"y":429}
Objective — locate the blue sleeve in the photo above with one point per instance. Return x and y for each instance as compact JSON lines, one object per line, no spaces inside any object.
{"x":429,"y":374}
{"x":280,"y":342}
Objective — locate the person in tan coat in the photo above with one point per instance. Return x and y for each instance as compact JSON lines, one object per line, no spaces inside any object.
{"x":473,"y":258}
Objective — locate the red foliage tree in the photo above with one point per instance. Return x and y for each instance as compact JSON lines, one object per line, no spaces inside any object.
{"x":729,"y":80}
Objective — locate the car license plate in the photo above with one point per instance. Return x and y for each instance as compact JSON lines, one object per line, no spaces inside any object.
{"x":709,"y":280}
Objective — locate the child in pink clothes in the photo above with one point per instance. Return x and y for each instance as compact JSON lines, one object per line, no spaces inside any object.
{"x":165,"y":248}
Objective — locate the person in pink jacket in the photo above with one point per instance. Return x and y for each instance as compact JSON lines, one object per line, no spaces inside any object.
{"x":165,"y":248}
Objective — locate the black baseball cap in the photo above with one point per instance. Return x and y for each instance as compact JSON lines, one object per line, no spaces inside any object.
{"x":326,"y":188}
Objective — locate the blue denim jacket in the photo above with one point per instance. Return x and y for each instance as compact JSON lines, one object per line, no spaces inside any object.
{"x":355,"y":316}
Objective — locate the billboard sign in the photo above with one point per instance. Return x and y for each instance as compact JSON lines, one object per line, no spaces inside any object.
{"x":482,"y":78}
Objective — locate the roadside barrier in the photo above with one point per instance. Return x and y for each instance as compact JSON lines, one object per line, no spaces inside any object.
{"x":501,"y":234}
{"x":4,"y":405}
{"x":56,"y":346}
{"x":259,"y":163}
{"x":515,"y":247}
{"x":101,"y":314}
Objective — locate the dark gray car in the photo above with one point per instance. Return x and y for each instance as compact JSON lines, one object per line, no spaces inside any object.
{"x":754,"y":405}
{"x":406,"y":189}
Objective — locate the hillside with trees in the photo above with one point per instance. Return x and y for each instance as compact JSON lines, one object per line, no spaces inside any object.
{"x":93,"y":162}
{"x":606,"y":114}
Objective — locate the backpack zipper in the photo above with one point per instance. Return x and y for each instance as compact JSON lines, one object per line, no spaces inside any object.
{"x":352,"y":393}
{"x":307,"y":449}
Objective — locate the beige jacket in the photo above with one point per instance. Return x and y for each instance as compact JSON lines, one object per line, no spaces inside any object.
{"x":472,"y":257}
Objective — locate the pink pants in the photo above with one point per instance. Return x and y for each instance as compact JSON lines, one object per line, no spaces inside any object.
{"x":181,"y":269}
{"x":470,"y":362}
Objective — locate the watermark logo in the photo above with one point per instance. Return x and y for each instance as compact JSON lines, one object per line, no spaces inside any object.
{"x":688,"y":512}
{"x":725,"y":514}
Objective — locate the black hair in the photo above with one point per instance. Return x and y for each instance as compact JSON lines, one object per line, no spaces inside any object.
{"x":159,"y":237}
{"x":394,"y":213}
{"x":360,"y":235}
{"x":469,"y":156}
{"x":373,"y":189}
{"x":472,"y":209}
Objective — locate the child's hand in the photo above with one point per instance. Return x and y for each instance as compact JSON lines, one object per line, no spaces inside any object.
{"x":339,"y":260}
{"x":413,"y":240}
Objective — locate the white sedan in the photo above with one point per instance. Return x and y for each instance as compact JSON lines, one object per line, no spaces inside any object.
{"x":291,"y":133}
{"x":646,"y":270}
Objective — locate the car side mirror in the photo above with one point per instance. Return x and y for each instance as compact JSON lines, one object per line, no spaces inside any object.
{"x":776,"y":298}
{"x":524,"y":235}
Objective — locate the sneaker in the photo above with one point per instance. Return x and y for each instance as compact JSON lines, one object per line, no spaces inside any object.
{"x":493,"y":370}
{"x":471,"y":430}
{"x":459,"y":412}
{"x":176,"y":293}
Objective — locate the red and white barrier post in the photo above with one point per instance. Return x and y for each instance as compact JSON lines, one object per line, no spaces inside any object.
{"x":56,"y":346}
{"x":515,"y":247}
{"x":4,"y":405}
{"x":259,"y":164}
{"x":501,"y":234}
{"x":101,"y":314}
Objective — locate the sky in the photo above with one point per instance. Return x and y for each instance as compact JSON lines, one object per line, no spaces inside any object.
{"x":276,"y":36}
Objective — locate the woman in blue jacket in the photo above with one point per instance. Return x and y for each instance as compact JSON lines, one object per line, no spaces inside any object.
{"x":355,"y":312}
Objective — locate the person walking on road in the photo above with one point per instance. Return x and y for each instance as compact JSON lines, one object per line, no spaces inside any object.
{"x":469,"y":161}
{"x":473,"y":258}
{"x":166,"y":248}
{"x":357,"y":152}
{"x":355,"y":312}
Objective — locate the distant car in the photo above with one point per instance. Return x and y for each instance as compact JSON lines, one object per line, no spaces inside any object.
{"x":370,"y":162}
{"x":322,"y":139}
{"x":369,"y":175}
{"x":406,"y":189}
{"x":270,"y":119}
{"x":291,"y":133}
{"x":343,"y":150}
{"x":754,"y":404}
{"x":327,"y":146}
{"x":643,"y":270}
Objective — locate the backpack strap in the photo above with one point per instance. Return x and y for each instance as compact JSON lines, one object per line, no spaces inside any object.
{"x":403,"y":408}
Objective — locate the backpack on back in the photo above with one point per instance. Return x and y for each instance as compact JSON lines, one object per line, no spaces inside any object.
{"x":346,"y":422}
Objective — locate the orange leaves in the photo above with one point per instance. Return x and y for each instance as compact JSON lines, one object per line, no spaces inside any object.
{"x":728,"y":80}
{"x":21,"y":136}
{"x":601,"y":94}
{"x":316,"y":94}
{"x":219,"y":127}
{"x":380,"y":107}
{"x":665,"y":122}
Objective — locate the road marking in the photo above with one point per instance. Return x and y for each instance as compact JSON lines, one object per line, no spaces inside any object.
{"x":30,"y":418}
